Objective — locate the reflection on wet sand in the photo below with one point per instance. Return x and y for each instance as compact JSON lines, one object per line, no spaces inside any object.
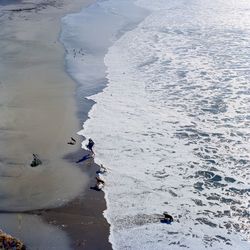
{"x":37,"y":109}
{"x":23,"y":188}
{"x":34,"y":232}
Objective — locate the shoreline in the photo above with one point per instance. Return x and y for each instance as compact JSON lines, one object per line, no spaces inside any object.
{"x":89,"y":205}
{"x":82,"y":218}
{"x":114,"y":18}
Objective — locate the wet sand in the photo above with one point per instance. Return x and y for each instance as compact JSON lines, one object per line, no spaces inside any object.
{"x":82,"y":218}
{"x":38,"y":115}
{"x":37,"y":112}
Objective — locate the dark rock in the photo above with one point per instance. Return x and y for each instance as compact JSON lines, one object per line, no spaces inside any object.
{"x":8,"y":242}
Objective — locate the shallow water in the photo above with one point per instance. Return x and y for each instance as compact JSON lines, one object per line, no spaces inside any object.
{"x":87,"y":35}
{"x":173,"y":127}
{"x":6,"y":2}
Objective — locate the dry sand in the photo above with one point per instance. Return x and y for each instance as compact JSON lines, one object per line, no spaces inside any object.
{"x":38,"y":111}
{"x":38,"y":115}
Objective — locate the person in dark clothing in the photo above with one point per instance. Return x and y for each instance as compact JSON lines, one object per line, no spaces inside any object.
{"x":36,"y":161}
{"x":90,"y":145}
{"x":167,"y":218}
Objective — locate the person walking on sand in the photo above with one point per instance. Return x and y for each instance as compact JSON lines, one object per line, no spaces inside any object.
{"x":90,"y":145}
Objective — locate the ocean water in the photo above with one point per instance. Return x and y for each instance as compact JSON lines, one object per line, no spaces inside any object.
{"x":172,"y":124}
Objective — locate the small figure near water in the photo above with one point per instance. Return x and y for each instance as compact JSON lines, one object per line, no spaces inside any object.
{"x":167,"y":218}
{"x":36,"y":161}
{"x":99,"y":179}
{"x":90,"y":155}
{"x":90,"y":145}
{"x":102,"y":169}
{"x":98,"y":186}
{"x":72,"y":142}
{"x":99,"y":182}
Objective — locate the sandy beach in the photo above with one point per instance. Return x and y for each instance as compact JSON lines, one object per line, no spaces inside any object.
{"x":38,"y":116}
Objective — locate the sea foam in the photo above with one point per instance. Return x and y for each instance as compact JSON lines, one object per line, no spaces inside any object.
{"x":172,"y":127}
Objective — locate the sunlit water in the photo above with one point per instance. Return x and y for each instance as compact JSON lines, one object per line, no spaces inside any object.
{"x":173,"y":127}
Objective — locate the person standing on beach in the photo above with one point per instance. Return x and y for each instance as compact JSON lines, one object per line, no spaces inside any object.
{"x":90,"y":145}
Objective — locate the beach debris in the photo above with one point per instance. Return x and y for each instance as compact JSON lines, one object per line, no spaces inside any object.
{"x":8,"y":242}
{"x":84,"y":158}
{"x":36,"y":161}
{"x":90,"y":145}
{"x":167,"y":218}
{"x":72,"y":141}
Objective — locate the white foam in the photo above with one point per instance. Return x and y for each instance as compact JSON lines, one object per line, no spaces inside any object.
{"x":172,"y":116}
